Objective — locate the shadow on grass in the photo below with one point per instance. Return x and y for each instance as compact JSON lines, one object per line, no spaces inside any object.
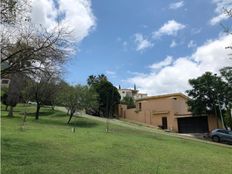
{"x":79,"y":122}
{"x":41,"y":114}
{"x":76,"y":122}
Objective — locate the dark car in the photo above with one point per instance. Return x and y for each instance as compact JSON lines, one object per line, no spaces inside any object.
{"x":221,"y":135}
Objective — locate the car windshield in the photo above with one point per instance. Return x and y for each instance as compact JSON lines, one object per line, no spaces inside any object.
{"x":230,"y":132}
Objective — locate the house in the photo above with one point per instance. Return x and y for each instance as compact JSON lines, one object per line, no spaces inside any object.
{"x":170,"y":112}
{"x":134,"y":93}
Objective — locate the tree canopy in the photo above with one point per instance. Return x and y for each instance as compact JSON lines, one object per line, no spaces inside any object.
{"x":210,"y":94}
{"x":129,"y":101}
{"x":109,"y":97}
{"x":77,"y":98}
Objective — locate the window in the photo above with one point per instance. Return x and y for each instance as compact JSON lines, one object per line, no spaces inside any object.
{"x":223,"y":131}
{"x":5,"y":81}
{"x":140,"y":106}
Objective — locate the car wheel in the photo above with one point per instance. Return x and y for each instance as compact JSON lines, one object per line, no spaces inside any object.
{"x":216,"y":139}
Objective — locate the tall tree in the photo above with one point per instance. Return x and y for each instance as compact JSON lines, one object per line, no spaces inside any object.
{"x":207,"y":95}
{"x":226,"y":74}
{"x":109,"y":97}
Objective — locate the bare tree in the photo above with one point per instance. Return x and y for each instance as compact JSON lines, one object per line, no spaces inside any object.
{"x":34,"y":51}
{"x":42,"y":90}
{"x":227,"y":29}
{"x":14,"y":11}
{"x":14,"y":92}
{"x":27,"y":47}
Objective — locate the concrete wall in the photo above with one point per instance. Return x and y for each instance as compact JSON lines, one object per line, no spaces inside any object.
{"x":132,"y":114}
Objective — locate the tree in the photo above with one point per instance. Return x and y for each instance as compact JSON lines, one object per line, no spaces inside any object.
{"x":77,"y":98}
{"x":81,"y":98}
{"x":61,"y":98}
{"x":34,"y":51}
{"x":207,"y":95}
{"x":4,"y":100}
{"x":42,"y":89}
{"x":109,"y":97}
{"x":129,"y":101}
{"x":90,"y":99}
{"x":226,"y":74}
{"x":14,"y":11}
{"x":13,"y":93}
{"x":4,"y":96}
{"x":26,"y":47}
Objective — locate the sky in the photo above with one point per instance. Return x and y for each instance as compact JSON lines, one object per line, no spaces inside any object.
{"x":157,"y":45}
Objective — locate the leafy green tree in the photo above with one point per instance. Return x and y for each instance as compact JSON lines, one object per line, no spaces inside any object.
{"x":90,"y":99}
{"x":109,"y":97}
{"x":226,"y":74}
{"x":77,"y":98}
{"x":127,"y":100}
{"x":207,"y":95}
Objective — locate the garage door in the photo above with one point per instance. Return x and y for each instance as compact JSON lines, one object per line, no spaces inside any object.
{"x":193,"y":124}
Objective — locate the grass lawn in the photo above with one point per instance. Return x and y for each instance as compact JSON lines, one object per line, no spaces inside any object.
{"x":48,"y":146}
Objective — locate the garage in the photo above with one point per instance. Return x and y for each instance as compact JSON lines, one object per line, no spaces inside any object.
{"x":193,"y":124}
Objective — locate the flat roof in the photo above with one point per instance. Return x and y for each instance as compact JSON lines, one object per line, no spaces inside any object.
{"x":163,"y":96}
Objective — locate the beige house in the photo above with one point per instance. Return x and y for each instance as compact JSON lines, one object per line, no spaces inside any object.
{"x":134,"y":93}
{"x":168,"y":112}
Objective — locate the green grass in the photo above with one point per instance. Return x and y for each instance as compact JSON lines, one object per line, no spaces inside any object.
{"x":49,"y":146}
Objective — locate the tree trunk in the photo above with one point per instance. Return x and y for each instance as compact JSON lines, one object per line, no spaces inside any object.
{"x":10,"y":113}
{"x":6,"y":107}
{"x":70,"y":117}
{"x":37,"y":111}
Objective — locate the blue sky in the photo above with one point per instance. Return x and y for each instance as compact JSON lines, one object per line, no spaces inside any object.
{"x":158,"y":45}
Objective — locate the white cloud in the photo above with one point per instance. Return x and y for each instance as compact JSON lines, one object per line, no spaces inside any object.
{"x":169,"y":28}
{"x":76,"y":15}
{"x":220,"y":15}
{"x":110,"y":72}
{"x":173,"y":44}
{"x":174,"y":77}
{"x":167,"y":61}
{"x":141,"y":42}
{"x":217,"y":19}
{"x":176,"y":5}
{"x":191,"y":44}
